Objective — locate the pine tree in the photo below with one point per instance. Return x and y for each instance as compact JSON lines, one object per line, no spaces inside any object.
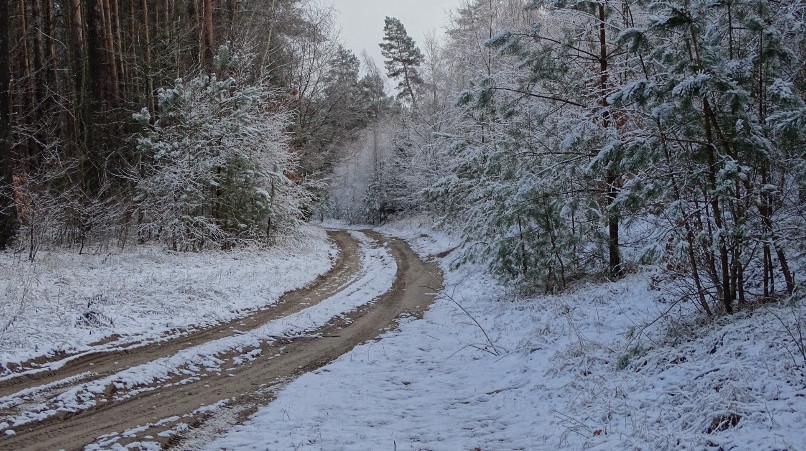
{"x":218,"y":165}
{"x":402,"y":58}
{"x":345,"y":104}
{"x":548,"y":145}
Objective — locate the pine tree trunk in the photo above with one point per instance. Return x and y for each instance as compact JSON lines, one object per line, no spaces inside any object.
{"x":207,"y":36}
{"x":38,"y":86}
{"x":77,"y":68}
{"x":24,"y":55}
{"x":110,"y":65}
{"x":232,"y":18}
{"x":614,"y":252}
{"x":50,"y":48}
{"x":77,"y":42}
{"x":96,"y":46}
{"x":166,"y":11}
{"x":103,"y":75}
{"x":38,"y":78}
{"x":8,"y":212}
{"x":24,"y":83}
{"x":264,"y":62}
{"x":53,"y":62}
{"x":193,"y":28}
{"x":117,"y":46}
{"x":409,"y":88}
{"x":149,"y":70}
{"x":132,"y":49}
{"x":724,"y":260}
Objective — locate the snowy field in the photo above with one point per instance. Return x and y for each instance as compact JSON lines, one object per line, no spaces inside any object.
{"x":64,"y":301}
{"x":604,"y":366}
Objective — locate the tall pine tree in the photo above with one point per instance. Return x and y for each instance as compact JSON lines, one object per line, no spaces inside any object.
{"x":402,"y":58}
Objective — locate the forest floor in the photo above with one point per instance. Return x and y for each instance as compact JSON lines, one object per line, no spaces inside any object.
{"x":225,"y":362}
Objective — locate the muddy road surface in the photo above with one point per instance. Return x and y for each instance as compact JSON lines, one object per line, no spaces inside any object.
{"x":109,"y":398}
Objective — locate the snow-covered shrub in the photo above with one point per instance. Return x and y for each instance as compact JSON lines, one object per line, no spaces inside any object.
{"x":216,"y":165}
{"x":53,"y":209}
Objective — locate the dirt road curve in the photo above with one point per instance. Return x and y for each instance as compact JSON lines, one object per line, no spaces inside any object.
{"x":239,"y":388}
{"x":102,"y":362}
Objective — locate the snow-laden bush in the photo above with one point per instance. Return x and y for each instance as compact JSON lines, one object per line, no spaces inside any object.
{"x":216,"y":165}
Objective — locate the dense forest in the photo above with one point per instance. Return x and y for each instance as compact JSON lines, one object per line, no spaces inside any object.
{"x":185,"y":122}
{"x":560,"y":138}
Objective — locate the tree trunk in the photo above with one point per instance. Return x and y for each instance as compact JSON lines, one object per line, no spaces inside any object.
{"x":614,"y":251}
{"x":50,"y":48}
{"x":611,"y":179}
{"x":264,"y":61}
{"x":24,"y":55}
{"x":727,"y":293}
{"x":38,"y":72}
{"x":132,"y":49}
{"x":23,"y":79}
{"x":193,"y":28}
{"x":117,"y":45}
{"x":96,"y":46}
{"x":110,"y":65}
{"x":54,"y":61}
{"x":163,"y":12}
{"x":147,"y":46}
{"x":38,"y":86}
{"x":8,"y":212}
{"x":103,"y":75}
{"x":77,"y":41}
{"x":78,"y":70}
{"x":409,"y":88}
{"x":232,"y":18}
{"x":207,"y":37}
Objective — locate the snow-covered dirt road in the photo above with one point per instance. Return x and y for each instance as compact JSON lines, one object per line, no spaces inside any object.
{"x":205,"y":380}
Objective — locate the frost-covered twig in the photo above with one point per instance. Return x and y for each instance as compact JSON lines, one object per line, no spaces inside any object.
{"x":795,"y":332}
{"x":572,"y":425}
{"x":494,"y":350}
{"x":658,"y":318}
{"x":20,"y":308}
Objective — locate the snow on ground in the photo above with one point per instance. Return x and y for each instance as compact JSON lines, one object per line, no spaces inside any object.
{"x":377,"y":273}
{"x":65,"y":301}
{"x":605,"y":366}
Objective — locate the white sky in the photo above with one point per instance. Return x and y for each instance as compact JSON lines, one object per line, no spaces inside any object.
{"x":362,"y":21}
